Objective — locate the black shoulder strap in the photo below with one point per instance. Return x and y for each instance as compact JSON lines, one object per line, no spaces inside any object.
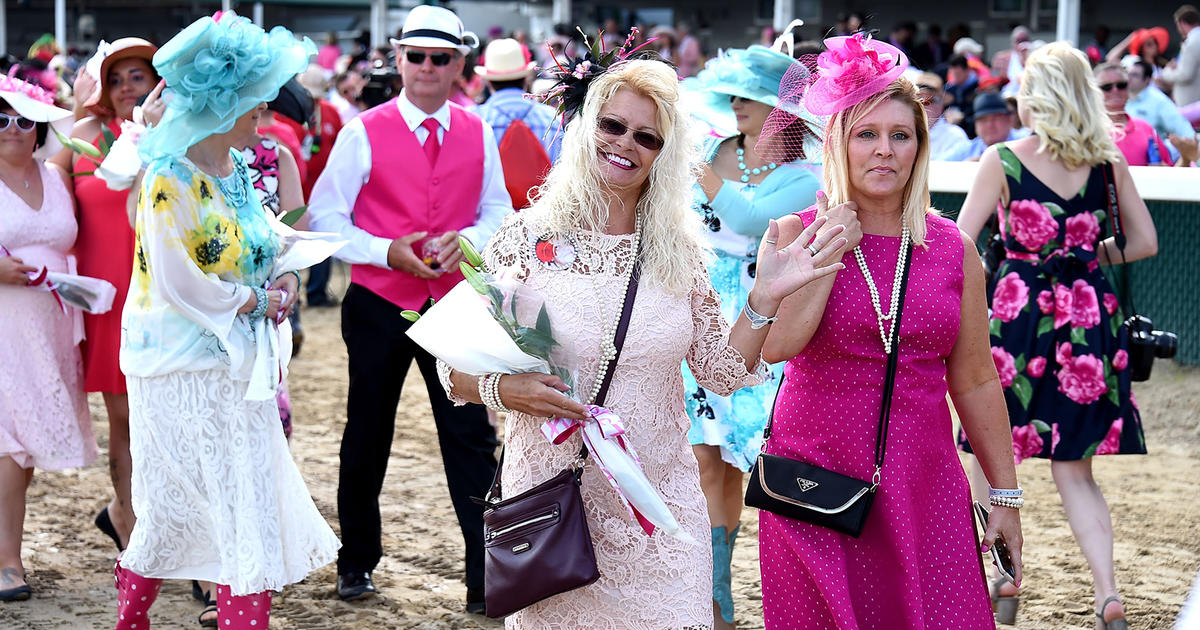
{"x":618,"y":342}
{"x":1118,"y":231}
{"x":889,"y":381}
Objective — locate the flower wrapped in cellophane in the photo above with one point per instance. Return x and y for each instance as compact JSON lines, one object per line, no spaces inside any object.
{"x":491,"y":323}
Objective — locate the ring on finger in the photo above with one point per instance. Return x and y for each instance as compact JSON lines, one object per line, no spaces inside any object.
{"x":770,"y":242}
{"x":812,"y":249}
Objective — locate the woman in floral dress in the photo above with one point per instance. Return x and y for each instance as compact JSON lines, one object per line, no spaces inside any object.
{"x":1055,"y":324}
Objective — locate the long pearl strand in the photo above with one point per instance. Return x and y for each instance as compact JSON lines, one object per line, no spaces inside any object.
{"x":895,"y":306}
{"x":608,"y":348}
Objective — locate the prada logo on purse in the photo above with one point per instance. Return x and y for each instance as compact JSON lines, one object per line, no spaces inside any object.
{"x":521,"y":547}
{"x":806,"y":484}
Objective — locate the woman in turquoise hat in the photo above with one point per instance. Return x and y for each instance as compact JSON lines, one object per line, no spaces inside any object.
{"x":737,"y":194}
{"x":217,"y":495}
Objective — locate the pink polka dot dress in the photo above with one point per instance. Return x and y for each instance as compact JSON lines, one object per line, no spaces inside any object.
{"x":917,"y":563}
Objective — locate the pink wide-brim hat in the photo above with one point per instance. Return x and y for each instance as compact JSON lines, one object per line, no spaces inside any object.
{"x":852,"y":69}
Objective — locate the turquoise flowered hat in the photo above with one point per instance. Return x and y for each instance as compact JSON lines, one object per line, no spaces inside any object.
{"x":216,"y":70}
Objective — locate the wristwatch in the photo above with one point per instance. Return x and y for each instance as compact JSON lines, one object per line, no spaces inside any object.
{"x":757,"y":321}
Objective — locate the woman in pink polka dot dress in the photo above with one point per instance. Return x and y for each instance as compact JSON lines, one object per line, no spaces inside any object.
{"x":917,"y":562}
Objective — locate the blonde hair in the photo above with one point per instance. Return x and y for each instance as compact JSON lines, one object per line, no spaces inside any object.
{"x":837,"y":142}
{"x":1067,"y":108}
{"x":575,"y":196}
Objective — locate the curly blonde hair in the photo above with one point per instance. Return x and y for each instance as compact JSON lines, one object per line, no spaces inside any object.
{"x":575,"y":195}
{"x":1067,"y":108}
{"x":837,"y":142}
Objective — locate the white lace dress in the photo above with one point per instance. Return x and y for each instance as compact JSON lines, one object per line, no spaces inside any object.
{"x":44,"y":421}
{"x":217,"y":495}
{"x":645,"y":582}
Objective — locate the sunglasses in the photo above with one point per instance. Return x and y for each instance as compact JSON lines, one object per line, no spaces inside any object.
{"x":24,"y":125}
{"x":617,"y":129}
{"x":417,"y":57}
{"x":1120,"y":85}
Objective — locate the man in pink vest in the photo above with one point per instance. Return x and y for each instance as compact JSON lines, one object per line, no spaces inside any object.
{"x":411,"y":170}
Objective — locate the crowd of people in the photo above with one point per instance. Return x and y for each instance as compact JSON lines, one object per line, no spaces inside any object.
{"x":771,"y":202}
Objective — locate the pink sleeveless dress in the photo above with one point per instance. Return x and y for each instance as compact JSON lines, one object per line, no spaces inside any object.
{"x":917,"y":563}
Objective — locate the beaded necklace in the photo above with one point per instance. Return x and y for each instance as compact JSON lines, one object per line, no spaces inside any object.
{"x":608,"y":348}
{"x":746,"y":172}
{"x":234,"y":186}
{"x":880,"y":317}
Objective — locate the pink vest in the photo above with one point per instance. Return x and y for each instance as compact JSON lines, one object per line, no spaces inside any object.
{"x":404,"y":195}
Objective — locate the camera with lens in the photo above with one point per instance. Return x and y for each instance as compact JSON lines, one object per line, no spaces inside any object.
{"x":381,"y":86}
{"x":1146,"y":344}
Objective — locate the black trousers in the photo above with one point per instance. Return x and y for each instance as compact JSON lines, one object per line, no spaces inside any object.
{"x":380,"y":355}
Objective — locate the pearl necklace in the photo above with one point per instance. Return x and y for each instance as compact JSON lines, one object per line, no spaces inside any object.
{"x":746,"y":172}
{"x":608,"y":347}
{"x":880,"y":317}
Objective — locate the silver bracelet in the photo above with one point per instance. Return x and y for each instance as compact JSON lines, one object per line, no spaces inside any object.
{"x":1014,"y":493}
{"x":757,"y":321}
{"x":1008,"y":502}
{"x":260,"y":309}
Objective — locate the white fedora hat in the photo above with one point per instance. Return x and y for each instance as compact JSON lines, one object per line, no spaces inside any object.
{"x":435,"y":27}
{"x":504,"y":60}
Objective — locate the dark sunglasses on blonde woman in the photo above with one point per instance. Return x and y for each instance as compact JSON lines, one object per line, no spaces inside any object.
{"x":23,"y":124}
{"x":616,"y":129}
{"x":417,"y":57}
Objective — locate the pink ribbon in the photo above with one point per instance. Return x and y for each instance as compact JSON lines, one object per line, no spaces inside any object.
{"x":43,"y":284}
{"x":557,"y":430}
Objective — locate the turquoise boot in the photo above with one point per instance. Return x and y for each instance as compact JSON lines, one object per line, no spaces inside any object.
{"x":722,"y":580}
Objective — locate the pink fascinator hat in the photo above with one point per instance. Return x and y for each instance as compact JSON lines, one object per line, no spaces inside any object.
{"x":851,"y":70}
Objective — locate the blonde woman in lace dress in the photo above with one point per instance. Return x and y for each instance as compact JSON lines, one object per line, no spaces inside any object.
{"x":625,"y":176}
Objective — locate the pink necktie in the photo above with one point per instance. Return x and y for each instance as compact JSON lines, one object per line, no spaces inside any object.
{"x":432,"y":146}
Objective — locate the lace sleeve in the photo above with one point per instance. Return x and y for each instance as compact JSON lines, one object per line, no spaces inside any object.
{"x":443,"y":370}
{"x":717,"y":366}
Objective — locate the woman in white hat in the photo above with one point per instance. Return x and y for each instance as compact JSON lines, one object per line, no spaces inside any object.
{"x":217,"y":495}
{"x":44,"y":421}
{"x":105,"y":250}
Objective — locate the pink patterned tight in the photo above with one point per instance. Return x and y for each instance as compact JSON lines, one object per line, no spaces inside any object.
{"x":135,"y":595}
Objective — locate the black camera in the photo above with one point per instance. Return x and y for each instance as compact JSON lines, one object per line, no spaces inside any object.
{"x":382,"y":84}
{"x":1146,"y":344}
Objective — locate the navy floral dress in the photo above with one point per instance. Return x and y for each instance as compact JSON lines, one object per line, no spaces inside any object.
{"x":1056,"y":325}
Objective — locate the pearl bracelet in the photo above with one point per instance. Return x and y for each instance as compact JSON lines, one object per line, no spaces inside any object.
{"x":489,"y":392}
{"x":1012,"y":493}
{"x":1008,"y":502}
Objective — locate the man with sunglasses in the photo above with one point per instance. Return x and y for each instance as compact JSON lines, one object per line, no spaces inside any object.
{"x":408,"y":176}
{"x":1136,"y":138}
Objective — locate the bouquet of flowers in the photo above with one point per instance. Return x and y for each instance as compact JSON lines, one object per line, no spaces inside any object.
{"x":482,"y":326}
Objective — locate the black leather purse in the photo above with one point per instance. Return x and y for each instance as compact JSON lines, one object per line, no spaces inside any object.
{"x":805,"y":492}
{"x":537,"y":544}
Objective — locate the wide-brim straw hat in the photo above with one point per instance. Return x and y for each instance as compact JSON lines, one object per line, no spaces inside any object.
{"x":100,"y":102}
{"x":216,"y":71}
{"x":435,"y":27}
{"x":36,"y":104}
{"x":504,"y":60}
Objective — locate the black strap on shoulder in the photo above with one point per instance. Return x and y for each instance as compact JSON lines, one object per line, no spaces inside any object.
{"x":889,"y":381}
{"x":1118,"y":230}
{"x":618,"y":342}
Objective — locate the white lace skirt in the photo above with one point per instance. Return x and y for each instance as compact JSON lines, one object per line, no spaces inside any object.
{"x":215,"y":490}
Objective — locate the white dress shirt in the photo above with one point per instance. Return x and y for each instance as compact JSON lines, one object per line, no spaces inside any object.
{"x":331,"y":204}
